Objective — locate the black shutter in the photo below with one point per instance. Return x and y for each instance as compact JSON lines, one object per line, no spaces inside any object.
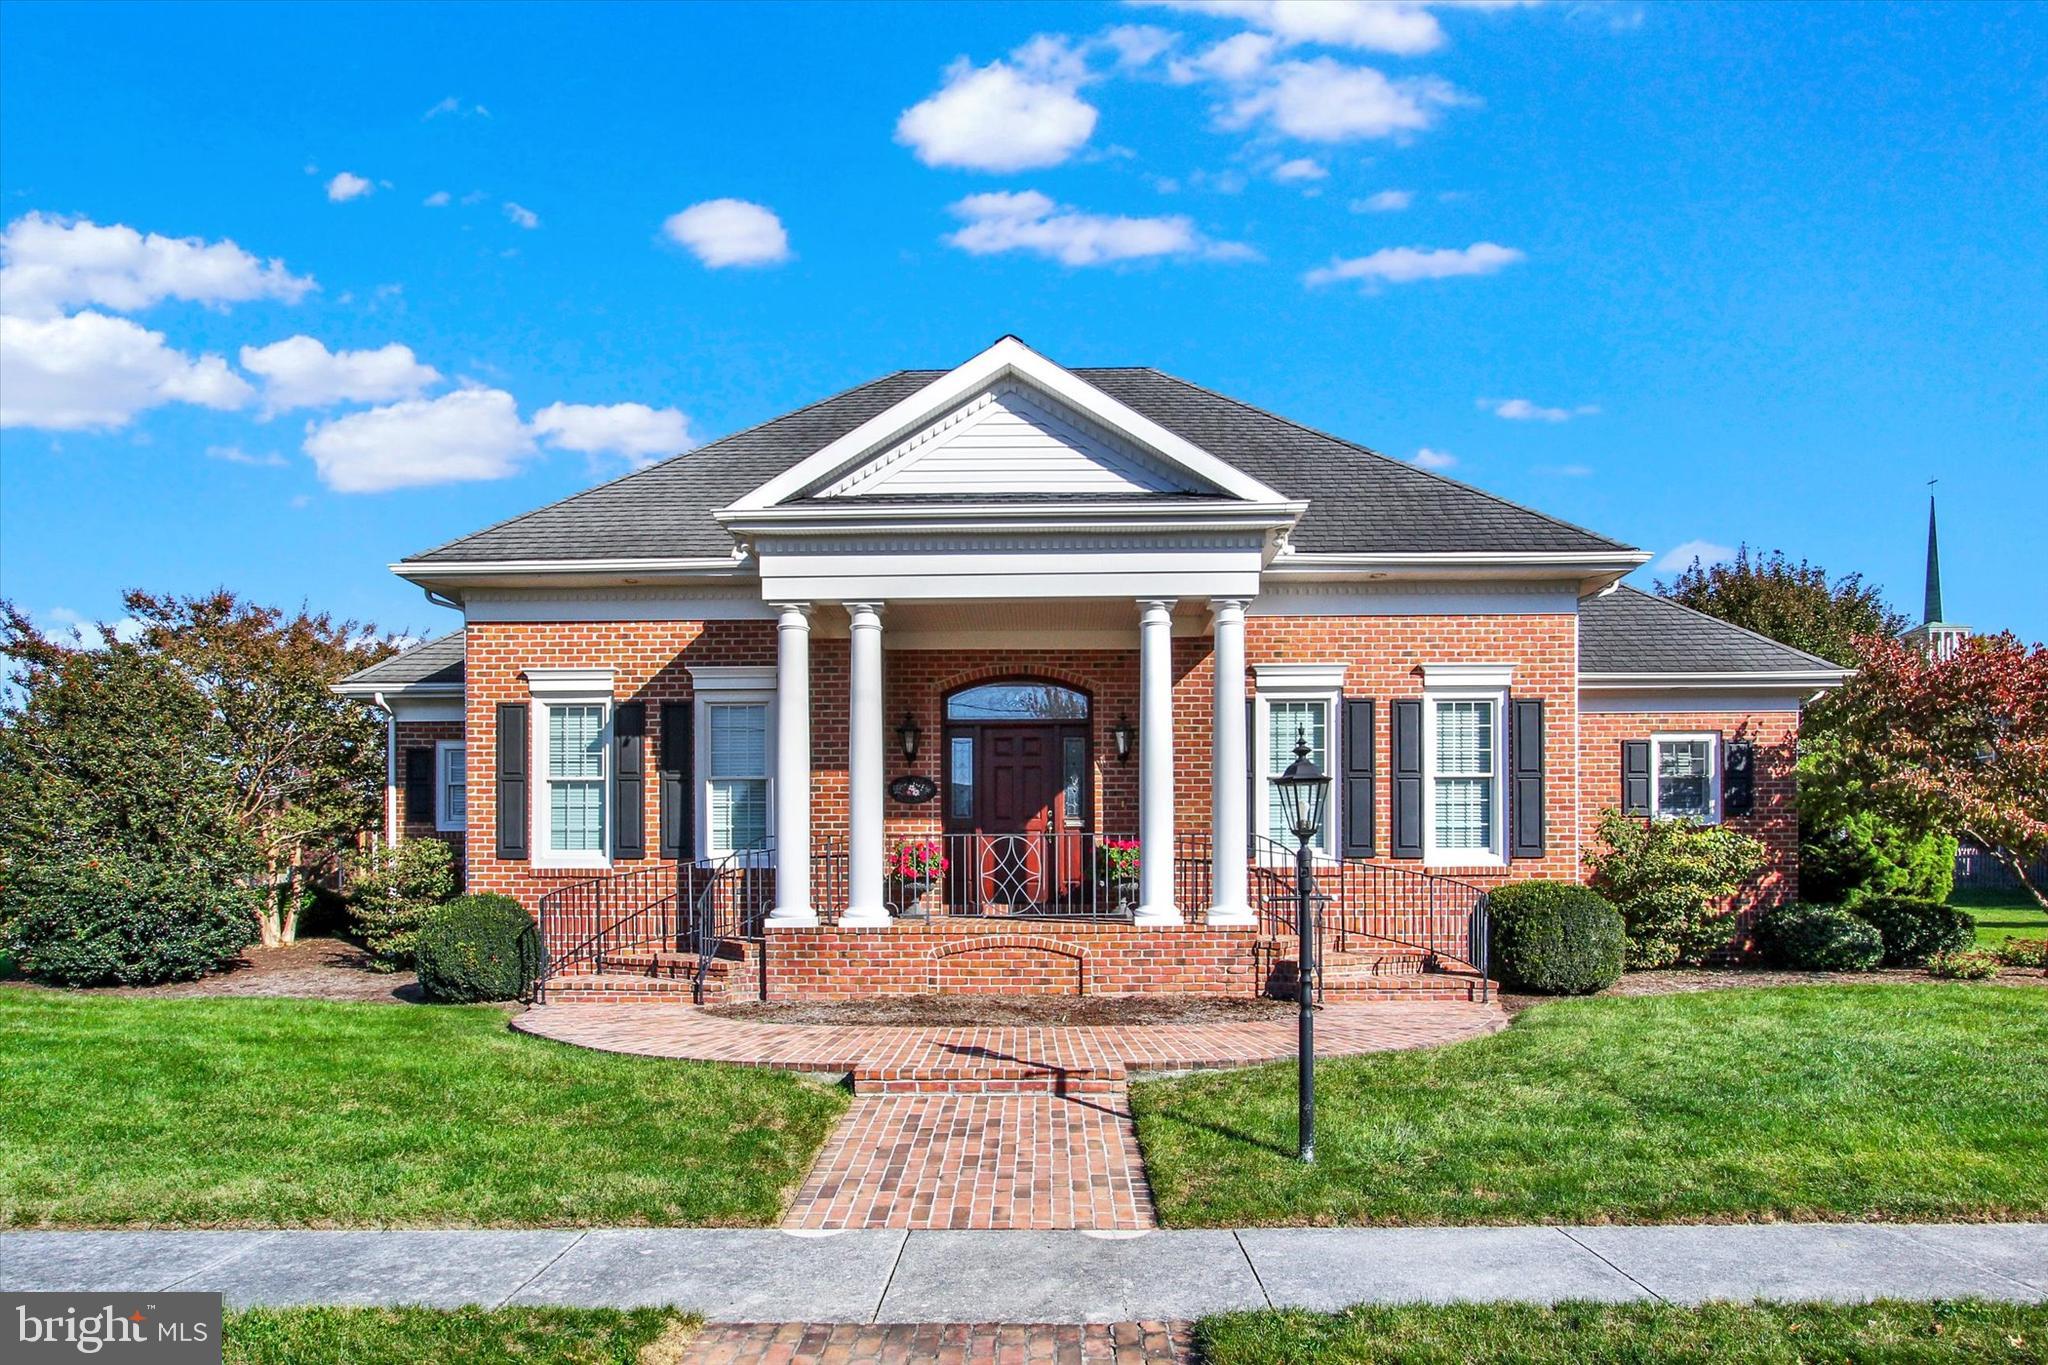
{"x":514,"y":756}
{"x":1254,"y":816}
{"x":678,"y":759}
{"x":1738,"y":778}
{"x":1525,"y":760}
{"x":1408,"y":779}
{"x":1635,"y":777}
{"x":419,"y":786}
{"x":629,"y":780}
{"x":1358,"y":775}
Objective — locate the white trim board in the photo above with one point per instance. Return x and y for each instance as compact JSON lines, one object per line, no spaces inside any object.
{"x":1683,"y":702}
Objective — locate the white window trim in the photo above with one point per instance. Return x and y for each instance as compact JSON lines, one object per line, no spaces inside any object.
{"x":446,"y":820}
{"x":1713,"y":743}
{"x":724,"y":692}
{"x":1298,"y":682}
{"x":1496,"y":855}
{"x":544,"y":700}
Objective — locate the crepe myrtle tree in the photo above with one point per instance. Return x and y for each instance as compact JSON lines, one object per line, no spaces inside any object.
{"x":1958,"y":743}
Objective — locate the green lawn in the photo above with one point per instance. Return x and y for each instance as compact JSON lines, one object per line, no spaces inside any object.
{"x":2001,"y":915}
{"x":467,"y":1336}
{"x":1920,"y":1101}
{"x":1575,"y":1332}
{"x":127,"y":1112}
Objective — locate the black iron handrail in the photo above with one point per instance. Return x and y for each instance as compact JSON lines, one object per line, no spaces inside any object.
{"x":601,"y":916}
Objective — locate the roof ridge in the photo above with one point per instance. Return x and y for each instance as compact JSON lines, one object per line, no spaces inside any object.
{"x":658,"y":464}
{"x":1381,"y":455}
{"x":1676,"y":605}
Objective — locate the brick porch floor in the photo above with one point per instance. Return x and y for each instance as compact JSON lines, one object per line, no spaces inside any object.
{"x":795,"y":1343}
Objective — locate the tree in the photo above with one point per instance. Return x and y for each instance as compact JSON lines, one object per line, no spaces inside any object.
{"x":1959,"y":743}
{"x":1791,"y":603}
{"x":214,"y":728}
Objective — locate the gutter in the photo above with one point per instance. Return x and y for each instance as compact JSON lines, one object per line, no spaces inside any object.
{"x":390,"y":768}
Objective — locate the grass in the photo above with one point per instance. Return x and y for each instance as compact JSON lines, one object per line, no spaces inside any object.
{"x":1815,"y":1102}
{"x":1570,"y":1333}
{"x":466,"y":1336}
{"x":126,"y":1112}
{"x":2001,"y":915}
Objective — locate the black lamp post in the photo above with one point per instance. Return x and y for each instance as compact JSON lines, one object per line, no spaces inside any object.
{"x":1303,"y":790}
{"x":906,"y":736}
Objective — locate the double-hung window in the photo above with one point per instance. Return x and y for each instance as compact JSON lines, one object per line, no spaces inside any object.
{"x":1686,"y":779}
{"x":451,"y":785}
{"x":736,"y":763}
{"x":1464,"y":747}
{"x":1294,"y":703}
{"x":572,"y":762}
{"x":1289,"y":723}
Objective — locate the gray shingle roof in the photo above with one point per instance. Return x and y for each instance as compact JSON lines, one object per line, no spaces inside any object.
{"x":1628,"y":631}
{"x":1360,"y":502}
{"x":436,"y":661}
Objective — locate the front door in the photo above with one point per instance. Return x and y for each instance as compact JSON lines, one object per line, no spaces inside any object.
{"x":1020,"y":838}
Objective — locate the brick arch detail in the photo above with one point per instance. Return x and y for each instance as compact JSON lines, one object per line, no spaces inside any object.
{"x":985,"y":673}
{"x":1077,"y":955}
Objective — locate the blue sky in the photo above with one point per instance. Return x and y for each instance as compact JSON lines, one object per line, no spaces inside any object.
{"x":1682,"y":273}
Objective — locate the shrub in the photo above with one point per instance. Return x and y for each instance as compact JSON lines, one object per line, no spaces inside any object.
{"x":1818,"y":938}
{"x":108,"y":919}
{"x":478,"y":947}
{"x":1915,"y":930}
{"x":2024,"y":952}
{"x":1963,"y":966}
{"x":391,"y":891}
{"x":1671,"y":880}
{"x":1860,"y":855}
{"x":1555,"y":938}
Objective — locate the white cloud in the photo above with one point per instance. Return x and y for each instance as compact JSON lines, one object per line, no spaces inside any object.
{"x":1426,"y":458}
{"x":49,"y":264}
{"x":90,"y":370}
{"x":1386,"y":201}
{"x":439,"y":199}
{"x":452,"y":104}
{"x":1029,"y":221}
{"x":1407,"y":264}
{"x":1679,"y":558}
{"x":521,"y":216}
{"x":346,"y":186}
{"x":723,"y":232}
{"x":634,"y":430}
{"x":470,"y":434}
{"x":234,"y":454}
{"x":300,"y":372}
{"x":63,"y":626}
{"x":1397,"y":26}
{"x":1240,"y":57}
{"x":1322,"y":100}
{"x":1135,"y":45}
{"x":1522,"y":410}
{"x":1001,"y":117}
{"x":1299,"y":170}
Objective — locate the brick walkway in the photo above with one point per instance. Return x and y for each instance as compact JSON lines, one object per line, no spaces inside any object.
{"x":795,"y":1343}
{"x":979,"y":1161}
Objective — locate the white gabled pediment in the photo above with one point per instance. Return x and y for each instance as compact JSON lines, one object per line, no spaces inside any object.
{"x":1009,"y":439}
{"x":993,"y":425}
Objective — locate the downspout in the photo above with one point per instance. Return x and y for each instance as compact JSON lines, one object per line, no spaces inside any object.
{"x":390,"y":769}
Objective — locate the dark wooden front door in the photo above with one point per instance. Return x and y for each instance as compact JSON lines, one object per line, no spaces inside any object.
{"x":1023,"y":840}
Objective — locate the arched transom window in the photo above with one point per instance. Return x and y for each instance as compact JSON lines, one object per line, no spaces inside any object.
{"x":1017,"y":701}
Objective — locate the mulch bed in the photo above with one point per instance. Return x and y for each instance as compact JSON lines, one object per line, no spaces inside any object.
{"x":1043,"y":1011}
{"x":311,"y":969}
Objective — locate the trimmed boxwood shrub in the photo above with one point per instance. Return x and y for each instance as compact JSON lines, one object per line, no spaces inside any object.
{"x":1915,"y":930}
{"x":106,"y":919}
{"x":478,"y":947}
{"x":1554,"y":938}
{"x":1818,"y":938}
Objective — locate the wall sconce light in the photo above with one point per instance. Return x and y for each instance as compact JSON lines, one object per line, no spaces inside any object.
{"x":1124,"y":735}
{"x":906,"y":736}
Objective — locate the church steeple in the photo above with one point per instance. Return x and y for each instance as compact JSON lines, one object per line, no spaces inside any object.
{"x":1933,"y":606}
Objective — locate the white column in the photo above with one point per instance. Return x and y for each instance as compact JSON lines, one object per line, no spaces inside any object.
{"x":1229,"y":834}
{"x":1155,"y":765}
{"x":793,"y":908}
{"x":865,"y":903}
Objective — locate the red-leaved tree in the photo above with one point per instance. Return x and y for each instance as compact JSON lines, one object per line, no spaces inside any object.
{"x":1960,"y":742}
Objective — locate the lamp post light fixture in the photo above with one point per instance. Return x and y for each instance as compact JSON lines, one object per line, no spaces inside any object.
{"x":1125,"y":735}
{"x":906,"y":735}
{"x":1303,"y":789}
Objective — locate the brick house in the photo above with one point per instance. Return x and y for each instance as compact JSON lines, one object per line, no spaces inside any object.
{"x":976,"y":680}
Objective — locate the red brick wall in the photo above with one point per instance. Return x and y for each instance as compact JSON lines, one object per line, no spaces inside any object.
{"x":422,"y":734}
{"x":1775,"y":818}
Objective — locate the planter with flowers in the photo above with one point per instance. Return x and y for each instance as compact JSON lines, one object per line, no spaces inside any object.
{"x":1119,"y":862}
{"x":916,"y":865}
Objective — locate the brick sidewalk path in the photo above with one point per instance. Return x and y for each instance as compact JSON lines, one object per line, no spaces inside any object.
{"x":795,"y":1343}
{"x":979,"y":1161}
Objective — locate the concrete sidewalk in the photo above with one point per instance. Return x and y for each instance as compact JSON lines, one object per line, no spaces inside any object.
{"x":904,"y":1277}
